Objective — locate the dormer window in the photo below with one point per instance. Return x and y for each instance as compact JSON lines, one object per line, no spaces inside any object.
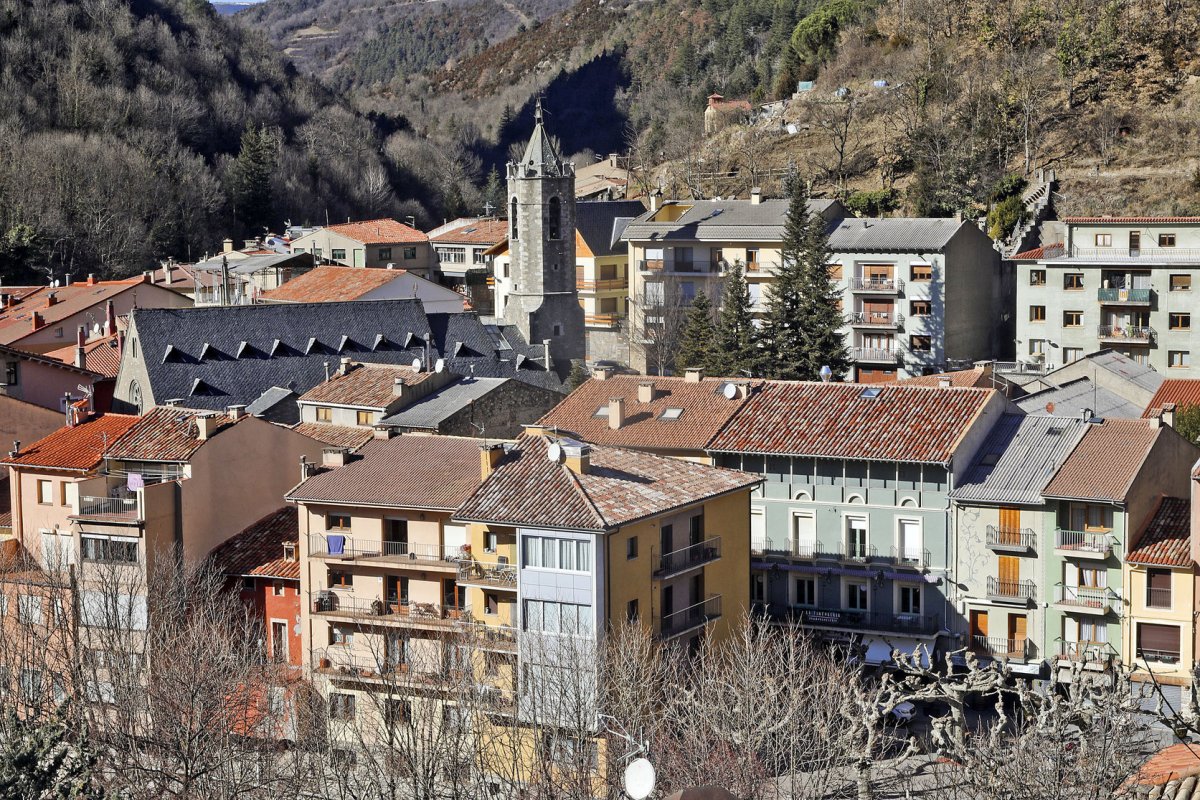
{"x":602,"y":411}
{"x":671,"y":414}
{"x":289,"y":552}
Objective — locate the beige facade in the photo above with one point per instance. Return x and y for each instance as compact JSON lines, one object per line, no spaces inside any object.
{"x":331,"y":245}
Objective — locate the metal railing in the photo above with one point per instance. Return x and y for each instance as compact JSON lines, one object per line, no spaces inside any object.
{"x":875,"y":284}
{"x":491,"y":573}
{"x":762,"y":266}
{"x":603,"y":320}
{"x":1151,"y":252}
{"x":875,"y":354}
{"x":786,"y":547}
{"x":687,"y":267}
{"x":1011,"y":590}
{"x":1090,"y":542}
{"x":868,"y":620}
{"x":693,"y":616}
{"x":502,"y":637}
{"x":601,"y":284}
{"x":875,"y":318}
{"x":853,"y":551}
{"x":1161,"y":656}
{"x":108,"y":507}
{"x":1016,"y":649}
{"x":1123,"y":295}
{"x":689,"y":557}
{"x":329,"y":602}
{"x":1086,"y":651}
{"x":1004,"y":537}
{"x":1158,"y":598}
{"x":1128,"y":333}
{"x":319,"y":545}
{"x":1022,"y":367}
{"x":910,"y":557}
{"x":1097,"y":598}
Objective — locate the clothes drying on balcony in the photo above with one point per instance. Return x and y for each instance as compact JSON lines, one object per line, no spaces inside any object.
{"x":337,"y":544}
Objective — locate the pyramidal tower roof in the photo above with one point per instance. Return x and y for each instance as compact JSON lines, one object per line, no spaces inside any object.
{"x":540,"y":156}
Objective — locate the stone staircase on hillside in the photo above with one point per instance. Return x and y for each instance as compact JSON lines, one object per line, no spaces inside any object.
{"x":1037,"y":199}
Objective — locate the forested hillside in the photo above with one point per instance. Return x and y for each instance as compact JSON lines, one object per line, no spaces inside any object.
{"x":133,"y":131}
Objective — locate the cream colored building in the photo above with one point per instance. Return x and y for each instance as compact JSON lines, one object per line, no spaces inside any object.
{"x":370,"y":243}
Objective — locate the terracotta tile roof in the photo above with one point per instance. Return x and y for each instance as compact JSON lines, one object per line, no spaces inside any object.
{"x":1148,"y":220}
{"x":335,"y":435}
{"x":167,"y":433}
{"x":1166,"y":539}
{"x":101,"y":355}
{"x":379,"y":231}
{"x":977,"y":377}
{"x":483,"y":231}
{"x":705,"y":410}
{"x":332,"y":284}
{"x":46,"y":358}
{"x":838,"y":420}
{"x":183,"y":279}
{"x":16,"y":322}
{"x":258,"y":550}
{"x":437,"y":472}
{"x":1105,"y":462}
{"x":1045,"y":251}
{"x":619,"y":487}
{"x":1180,"y":391}
{"x":79,"y":448}
{"x":369,"y":385}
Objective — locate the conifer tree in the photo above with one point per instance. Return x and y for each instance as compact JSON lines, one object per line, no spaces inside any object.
{"x":736,"y":350}
{"x":698,"y":339}
{"x":250,"y":179}
{"x":801,"y":329}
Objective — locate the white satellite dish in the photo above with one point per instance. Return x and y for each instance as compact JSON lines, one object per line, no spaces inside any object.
{"x":439,"y":365}
{"x":730,"y":391}
{"x":639,"y":779}
{"x":416,"y":364}
{"x":554,"y":452}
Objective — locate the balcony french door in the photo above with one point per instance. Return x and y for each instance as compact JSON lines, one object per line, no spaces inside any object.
{"x":856,"y":538}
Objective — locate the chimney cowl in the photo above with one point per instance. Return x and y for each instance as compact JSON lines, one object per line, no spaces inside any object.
{"x":236,"y":412}
{"x":398,"y":387}
{"x":646,"y":392}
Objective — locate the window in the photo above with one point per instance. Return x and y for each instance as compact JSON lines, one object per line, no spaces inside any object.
{"x":1158,"y":642}
{"x":1073,"y":281}
{"x":1037,"y":347}
{"x":671,"y":414}
{"x":491,"y":604}
{"x":342,"y":634}
{"x":920,"y":344}
{"x":512,"y":220}
{"x":364,"y":417}
{"x":1179,"y":359}
{"x":396,"y":712}
{"x":11,"y":373}
{"x":1037,"y":313}
{"x":491,"y":540}
{"x":1103,"y":240}
{"x":112,"y":549}
{"x":631,"y":611}
{"x":324,"y":414}
{"x":1158,"y":588}
{"x":1072,"y":354}
{"x":289,"y":552}
{"x":1181,"y":283}
{"x":1179,"y":321}
{"x":806,"y":591}
{"x":410,"y":253}
{"x":554,"y":219}
{"x":62,"y":493}
{"x":385,"y":254}
{"x":317,"y":251}
{"x":337,"y":522}
{"x":631,"y":547}
{"x":452,"y":255}
{"x":337,"y":254}
{"x":920,"y":308}
{"x":278,"y":589}
{"x":29,"y":609}
{"x":1037,"y":277}
{"x":922,"y":273}
{"x":247,"y":584}
{"x":910,"y":599}
{"x":856,"y":595}
{"x":856,"y":538}
{"x":341,"y":706}
{"x":31,"y":685}
{"x":566,"y":555}
{"x":1166,"y":240}
{"x":910,"y":542}
{"x":120,"y":611}
{"x":1091,"y":518}
{"x":340,"y":579}
{"x":758,"y":589}
{"x":45,"y":492}
{"x":548,"y":616}
{"x":1072,"y":319}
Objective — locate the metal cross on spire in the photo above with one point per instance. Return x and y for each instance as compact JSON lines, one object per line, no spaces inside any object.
{"x":537,"y":111}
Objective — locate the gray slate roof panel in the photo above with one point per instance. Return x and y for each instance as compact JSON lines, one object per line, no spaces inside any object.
{"x":1071,"y":398}
{"x":269,"y":399}
{"x":429,"y":412}
{"x":1027,"y":451}
{"x":596,"y":220}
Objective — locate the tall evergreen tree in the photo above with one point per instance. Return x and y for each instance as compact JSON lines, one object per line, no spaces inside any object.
{"x":737,"y":350}
{"x":250,"y":179}
{"x":698,"y":339}
{"x":801,"y":329}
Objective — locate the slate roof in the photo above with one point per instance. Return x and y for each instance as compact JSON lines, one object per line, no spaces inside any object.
{"x":837,"y":420}
{"x":78,"y":449}
{"x":618,"y":488}
{"x":102,"y":355}
{"x":379,"y":231}
{"x":335,"y":435}
{"x":1018,"y":458}
{"x":164,"y":434}
{"x":1069,"y":399}
{"x":894,"y":234}
{"x":705,"y":411}
{"x":1140,"y":375}
{"x":430,"y":411}
{"x":1180,"y":391}
{"x":717,"y":220}
{"x":254,"y":348}
{"x":1166,"y":539}
{"x":436,"y":472}
{"x":1105,"y":462}
{"x":477,"y":232}
{"x":366,"y":385}
{"x":258,"y":550}
{"x":330,"y":284}
{"x":269,"y":399}
{"x":16,"y":321}
{"x":600,"y":224}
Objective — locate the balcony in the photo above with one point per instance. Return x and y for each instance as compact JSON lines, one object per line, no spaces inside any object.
{"x":1128,"y":334}
{"x":1091,"y":653}
{"x":501,"y":638}
{"x":854,"y":553}
{"x":1123,"y":297}
{"x":1158,"y":598}
{"x":688,"y":558}
{"x":601,"y":284}
{"x":1082,"y":544}
{"x":1116,"y":255}
{"x":913,"y":624}
{"x":370,"y":669}
{"x":1083,"y":599}
{"x":876,"y":285}
{"x":108,"y":509}
{"x":488,"y":574}
{"x":1016,"y":592}
{"x":785,"y":548}
{"x":1159,"y":656}
{"x":910,"y":557}
{"x":604,"y":321}
{"x":762,"y":266}
{"x":876,"y":319}
{"x":344,"y":548}
{"x":679,"y":267}
{"x":875,"y":355}
{"x":1007,"y":649}
{"x":690,"y":618}
{"x":333,"y":604}
{"x":1007,"y":539}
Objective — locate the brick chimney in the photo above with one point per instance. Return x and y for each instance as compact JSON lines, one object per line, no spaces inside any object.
{"x":489,"y":458}
{"x":110,"y":318}
{"x":91,"y":281}
{"x":693,"y":375}
{"x":80,"y":349}
{"x":646,"y":392}
{"x":602,"y":373}
{"x":38,"y":321}
{"x":577,"y":457}
{"x":616,"y":413}
{"x":51,"y":299}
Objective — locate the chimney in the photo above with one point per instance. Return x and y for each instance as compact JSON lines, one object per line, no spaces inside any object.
{"x":37,"y":321}
{"x":173,"y":402}
{"x":398,"y":387}
{"x":251,"y":243}
{"x":344,"y":365}
{"x":16,"y":451}
{"x":236,"y":412}
{"x":148,"y":276}
{"x":110,"y":318}
{"x":91,"y":281}
{"x":646,"y":392}
{"x":693,"y":375}
{"x":944,"y":383}
{"x":80,"y":351}
{"x":655,"y":197}
{"x":755,"y":196}
{"x":51,"y":299}
{"x":1168,"y":415}
{"x":168,"y":274}
{"x":335,"y":456}
{"x":306,"y":469}
{"x":489,"y":457}
{"x":616,"y":413}
{"x":227,"y":246}
{"x":577,"y":456}
{"x":603,"y":373}
{"x":120,"y":343}
{"x":546,"y":351}
{"x":206,"y":426}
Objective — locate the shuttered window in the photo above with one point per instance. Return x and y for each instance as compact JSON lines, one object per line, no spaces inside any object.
{"x":1158,"y":641}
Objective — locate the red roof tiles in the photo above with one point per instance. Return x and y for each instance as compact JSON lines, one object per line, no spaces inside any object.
{"x":1147,"y":220}
{"x":368,"y":385}
{"x":1105,"y":462}
{"x":258,"y":550}
{"x":332,"y":284}
{"x":101,"y":355}
{"x":16,"y":322}
{"x":379,"y":231}
{"x":837,"y":420}
{"x":167,"y":433}
{"x":977,"y":377}
{"x":77,"y":449}
{"x":483,"y":231}
{"x":617,"y":488}
{"x":335,"y":435}
{"x":1166,"y":540}
{"x":1045,"y":251}
{"x":1180,"y":391}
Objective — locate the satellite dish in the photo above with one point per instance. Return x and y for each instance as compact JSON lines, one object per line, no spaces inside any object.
{"x":416,"y":364}
{"x":730,"y":392}
{"x":639,"y":779}
{"x":439,"y":365}
{"x":555,"y":452}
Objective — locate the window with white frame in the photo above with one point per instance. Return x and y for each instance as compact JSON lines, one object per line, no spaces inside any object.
{"x":804,"y":534}
{"x":857,"y":595}
{"x":563,"y":555}
{"x":1087,"y":630}
{"x":806,"y":591}
{"x":856,"y":537}
{"x":29,"y":609}
{"x":58,"y":552}
{"x":910,"y":598}
{"x":113,"y":611}
{"x":549,"y":616}
{"x":910,"y":546}
{"x":758,"y":528}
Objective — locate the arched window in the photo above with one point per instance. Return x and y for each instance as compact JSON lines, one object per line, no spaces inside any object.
{"x":135,"y":396}
{"x":554,"y":221}
{"x":512,"y":218}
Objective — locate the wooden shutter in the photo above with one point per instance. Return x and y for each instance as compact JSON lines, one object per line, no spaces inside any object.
{"x":1158,"y":579}
{"x":1158,"y":637}
{"x":1017,"y":627}
{"x":1010,"y":519}
{"x":979,"y":623}
{"x":1010,"y":569}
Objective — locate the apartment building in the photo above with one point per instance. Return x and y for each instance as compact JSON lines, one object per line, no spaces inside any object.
{"x":1117,"y":282}
{"x":370,"y":243}
{"x":852,"y":528}
{"x":919,"y":294}
{"x":463,"y":250}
